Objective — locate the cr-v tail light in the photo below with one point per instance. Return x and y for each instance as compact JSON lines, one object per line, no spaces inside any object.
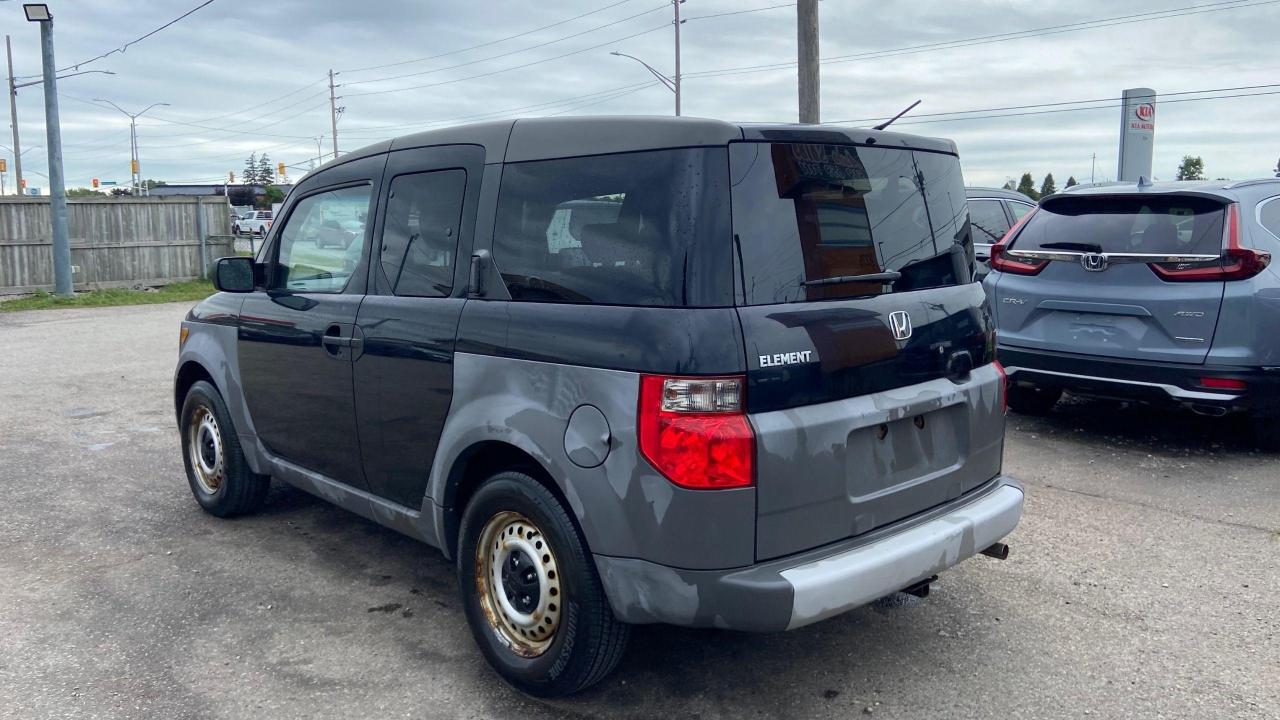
{"x":1236,"y":263}
{"x":694,"y":431}
{"x":1000,"y":259}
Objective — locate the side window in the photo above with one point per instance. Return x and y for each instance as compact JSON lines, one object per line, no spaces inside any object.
{"x":322,"y":240}
{"x":988,"y":220}
{"x":1019,"y":209}
{"x":420,"y":235}
{"x":1269,"y":215}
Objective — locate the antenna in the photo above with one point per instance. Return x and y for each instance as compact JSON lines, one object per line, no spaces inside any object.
{"x":891,"y":120}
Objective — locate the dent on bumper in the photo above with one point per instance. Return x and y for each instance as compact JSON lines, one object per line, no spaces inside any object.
{"x":792,"y":592}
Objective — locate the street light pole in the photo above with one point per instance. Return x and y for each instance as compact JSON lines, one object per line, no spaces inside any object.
{"x":807,"y":43}
{"x":135,"y":165}
{"x":62,"y":279}
{"x":13,"y":119}
{"x":669,"y":83}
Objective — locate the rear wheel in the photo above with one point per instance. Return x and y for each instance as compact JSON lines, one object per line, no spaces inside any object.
{"x":1266,"y":432}
{"x":531,"y":593}
{"x":1032,"y":400}
{"x":219,"y":476}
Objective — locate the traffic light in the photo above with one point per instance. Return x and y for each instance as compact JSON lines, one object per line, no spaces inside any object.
{"x":23,"y":184}
{"x":4,"y":165}
{"x":280,"y":169}
{"x":133,"y":164}
{"x":95,"y":183}
{"x":231,"y":178}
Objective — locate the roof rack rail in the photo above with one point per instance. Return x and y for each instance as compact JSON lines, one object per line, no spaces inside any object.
{"x":1250,"y":183}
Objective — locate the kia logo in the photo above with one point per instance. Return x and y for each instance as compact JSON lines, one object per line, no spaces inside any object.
{"x":900,"y":324}
{"x":1145,"y":112}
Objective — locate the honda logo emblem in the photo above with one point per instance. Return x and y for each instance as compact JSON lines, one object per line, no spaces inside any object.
{"x":1094,"y":262}
{"x":900,"y":324}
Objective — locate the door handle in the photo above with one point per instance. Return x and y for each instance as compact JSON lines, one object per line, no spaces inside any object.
{"x":333,"y":341}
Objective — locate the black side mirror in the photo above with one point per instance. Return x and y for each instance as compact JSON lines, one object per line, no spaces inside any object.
{"x":234,"y":274}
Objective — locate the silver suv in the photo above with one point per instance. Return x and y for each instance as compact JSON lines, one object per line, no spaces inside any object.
{"x":1154,"y":292}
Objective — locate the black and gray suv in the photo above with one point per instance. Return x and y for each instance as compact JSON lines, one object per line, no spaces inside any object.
{"x":622,"y":370}
{"x":1158,"y":292}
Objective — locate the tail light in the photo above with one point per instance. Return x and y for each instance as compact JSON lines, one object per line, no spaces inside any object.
{"x":1004,"y":387}
{"x":999,"y":253}
{"x":1221,"y":383}
{"x":695,"y":431}
{"x":1236,"y":263}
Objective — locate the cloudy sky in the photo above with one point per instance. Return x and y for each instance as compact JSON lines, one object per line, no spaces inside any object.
{"x":245,"y":77}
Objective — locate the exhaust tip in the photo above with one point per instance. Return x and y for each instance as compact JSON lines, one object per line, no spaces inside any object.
{"x":999,"y":551}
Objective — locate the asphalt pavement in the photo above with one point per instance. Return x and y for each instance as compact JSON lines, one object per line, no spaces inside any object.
{"x":1143,"y":581}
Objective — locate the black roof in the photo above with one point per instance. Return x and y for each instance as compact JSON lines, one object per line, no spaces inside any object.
{"x":548,"y":138}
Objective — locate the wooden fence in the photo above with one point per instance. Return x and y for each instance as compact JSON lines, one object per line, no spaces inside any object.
{"x":115,"y":242}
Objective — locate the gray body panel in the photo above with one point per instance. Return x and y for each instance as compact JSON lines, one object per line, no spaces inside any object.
{"x":825,"y":473}
{"x":795,"y":591}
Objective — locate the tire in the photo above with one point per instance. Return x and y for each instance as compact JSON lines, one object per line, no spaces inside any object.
{"x":219,"y":476}
{"x":1266,"y":432}
{"x":570,"y":638}
{"x":1031,"y":400}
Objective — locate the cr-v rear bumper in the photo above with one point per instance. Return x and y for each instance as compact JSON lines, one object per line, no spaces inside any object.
{"x":794,"y":591}
{"x":1143,"y":379}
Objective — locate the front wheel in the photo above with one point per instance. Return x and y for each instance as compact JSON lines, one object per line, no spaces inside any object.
{"x":531,"y":592}
{"x":1031,"y":400}
{"x":220,"y":477}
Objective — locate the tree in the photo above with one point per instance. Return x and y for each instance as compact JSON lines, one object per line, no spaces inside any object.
{"x":273,"y":195}
{"x":1027,"y":186}
{"x":82,"y":192}
{"x":250,"y":174}
{"x":1191,"y":168}
{"x":266,"y":173}
{"x":1048,"y":187}
{"x":149,"y":183}
{"x":1072,"y":182}
{"x":240,"y":196}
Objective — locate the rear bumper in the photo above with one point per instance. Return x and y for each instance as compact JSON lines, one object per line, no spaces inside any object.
{"x":1148,"y":381}
{"x":794,"y":591}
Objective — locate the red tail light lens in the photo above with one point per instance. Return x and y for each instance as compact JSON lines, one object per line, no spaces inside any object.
{"x":1000,"y":259}
{"x":1004,"y":387}
{"x":1219,"y":383}
{"x":1236,"y":263}
{"x":695,"y":432}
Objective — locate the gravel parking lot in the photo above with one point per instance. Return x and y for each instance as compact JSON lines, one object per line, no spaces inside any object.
{"x":1143,"y":580}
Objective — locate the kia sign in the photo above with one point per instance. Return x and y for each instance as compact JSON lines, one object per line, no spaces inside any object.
{"x":1137,"y":134}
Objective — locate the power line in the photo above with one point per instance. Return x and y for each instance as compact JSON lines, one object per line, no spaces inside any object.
{"x":485,"y":44}
{"x":999,"y":37}
{"x":135,"y":41}
{"x":740,"y":12}
{"x":509,"y":52}
{"x":499,"y":71}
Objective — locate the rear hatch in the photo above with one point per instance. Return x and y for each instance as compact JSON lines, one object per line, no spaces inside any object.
{"x":869,"y":385}
{"x":1102,"y":275}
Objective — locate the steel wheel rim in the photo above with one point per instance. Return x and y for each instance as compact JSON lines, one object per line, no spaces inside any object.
{"x":204,"y":445}
{"x":519,"y":585}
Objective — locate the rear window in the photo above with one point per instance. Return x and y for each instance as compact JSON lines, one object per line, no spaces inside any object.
{"x":1166,"y":224}
{"x":810,"y":218}
{"x":644,"y":228}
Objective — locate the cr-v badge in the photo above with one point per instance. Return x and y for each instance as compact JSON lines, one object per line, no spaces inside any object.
{"x":900,"y":324}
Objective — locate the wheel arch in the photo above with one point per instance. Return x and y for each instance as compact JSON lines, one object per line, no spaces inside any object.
{"x":189,"y":373}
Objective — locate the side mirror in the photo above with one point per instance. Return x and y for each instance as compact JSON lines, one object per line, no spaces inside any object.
{"x":234,"y":274}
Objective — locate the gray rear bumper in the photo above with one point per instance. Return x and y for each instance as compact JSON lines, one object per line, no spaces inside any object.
{"x":797,"y":590}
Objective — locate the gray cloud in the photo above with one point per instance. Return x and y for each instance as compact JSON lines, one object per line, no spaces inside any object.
{"x":228,"y":65}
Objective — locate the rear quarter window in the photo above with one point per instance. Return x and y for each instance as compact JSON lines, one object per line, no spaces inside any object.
{"x":642,"y":229}
{"x":1269,"y":215}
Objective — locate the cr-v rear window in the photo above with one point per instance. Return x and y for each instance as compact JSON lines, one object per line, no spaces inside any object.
{"x":644,"y":228}
{"x":809,"y":219}
{"x":1155,"y":224}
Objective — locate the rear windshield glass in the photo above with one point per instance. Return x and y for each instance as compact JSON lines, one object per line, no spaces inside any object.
{"x":810,"y":218}
{"x":642,"y":228}
{"x":1166,"y":224}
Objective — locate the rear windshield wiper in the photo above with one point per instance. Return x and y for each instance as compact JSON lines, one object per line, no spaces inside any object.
{"x":1081,"y":246}
{"x":887,"y":276}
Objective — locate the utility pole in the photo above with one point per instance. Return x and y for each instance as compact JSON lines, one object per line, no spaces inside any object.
{"x":62,"y":279}
{"x":333,"y":115}
{"x":1093,"y":164}
{"x":135,"y":165}
{"x":13,"y":118}
{"x":807,"y":56}
{"x":676,"y":80}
